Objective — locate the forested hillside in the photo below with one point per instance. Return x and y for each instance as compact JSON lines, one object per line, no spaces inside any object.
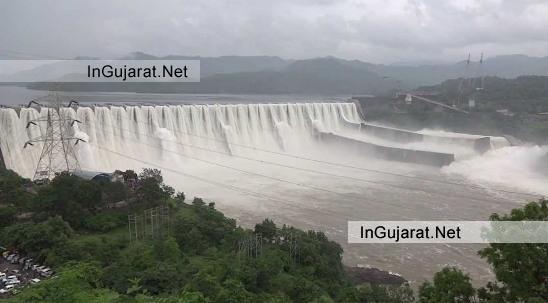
{"x":522,"y":94}
{"x":327,"y":75}
{"x":80,"y":228}
{"x":71,"y":225}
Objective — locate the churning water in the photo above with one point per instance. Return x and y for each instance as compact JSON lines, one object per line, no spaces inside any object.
{"x":253,"y":160}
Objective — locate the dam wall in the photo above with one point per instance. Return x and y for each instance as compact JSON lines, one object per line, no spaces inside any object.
{"x":389,"y":153}
{"x":392,"y":134}
{"x":156,"y":134}
{"x":478,"y":143}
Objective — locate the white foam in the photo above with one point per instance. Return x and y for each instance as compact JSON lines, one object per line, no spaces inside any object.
{"x":513,"y":166}
{"x":182,"y":128}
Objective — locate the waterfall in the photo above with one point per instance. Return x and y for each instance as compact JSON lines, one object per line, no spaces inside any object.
{"x":156,"y":134}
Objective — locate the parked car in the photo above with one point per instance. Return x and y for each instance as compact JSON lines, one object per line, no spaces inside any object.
{"x":46,"y":273}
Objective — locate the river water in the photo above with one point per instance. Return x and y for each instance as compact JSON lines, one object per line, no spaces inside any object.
{"x":250,"y":184}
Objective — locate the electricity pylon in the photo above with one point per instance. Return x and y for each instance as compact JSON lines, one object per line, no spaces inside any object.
{"x":153,"y":224}
{"x":58,"y":141}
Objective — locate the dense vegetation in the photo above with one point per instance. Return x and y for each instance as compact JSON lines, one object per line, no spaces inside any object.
{"x":503,"y":107}
{"x":72,"y":225}
{"x":525,"y":94}
{"x":526,"y":127}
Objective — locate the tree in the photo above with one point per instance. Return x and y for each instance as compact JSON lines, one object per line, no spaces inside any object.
{"x":37,"y":239}
{"x":205,"y":283}
{"x":449,"y":286}
{"x":12,"y":189}
{"x":151,"y":189}
{"x":267,"y":229}
{"x":70,"y":197}
{"x":86,"y":193}
{"x":198,"y":201}
{"x":127,"y":175}
{"x":7,"y":216}
{"x":234,"y":292}
{"x":104,"y":222}
{"x":114,"y":191}
{"x":152,"y":173}
{"x":180,"y":197}
{"x":167,"y":250}
{"x":521,"y":269}
{"x":192,"y":297}
{"x":301,"y":289}
{"x":386,"y":294}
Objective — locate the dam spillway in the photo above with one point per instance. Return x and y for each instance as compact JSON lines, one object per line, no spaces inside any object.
{"x":390,"y":153}
{"x":227,"y":128}
{"x":232,"y":129}
{"x":179,"y":137}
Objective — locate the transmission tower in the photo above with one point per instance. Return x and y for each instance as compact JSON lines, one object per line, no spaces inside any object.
{"x":58,"y":141}
{"x":251,"y":246}
{"x":292,"y":241}
{"x":152,"y":224}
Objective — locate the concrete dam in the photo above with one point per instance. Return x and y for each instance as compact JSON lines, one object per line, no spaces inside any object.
{"x":234,"y":129}
{"x":309,"y":165}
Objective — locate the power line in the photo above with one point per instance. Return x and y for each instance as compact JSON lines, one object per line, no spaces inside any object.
{"x":289,"y":203}
{"x":229,"y":167}
{"x":248,"y":172}
{"x":306,"y":158}
{"x":256,"y":160}
{"x":342,"y":164}
{"x":215,"y":183}
{"x":283,"y":165}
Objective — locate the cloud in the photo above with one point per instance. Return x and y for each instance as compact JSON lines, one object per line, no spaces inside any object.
{"x":372,"y":30}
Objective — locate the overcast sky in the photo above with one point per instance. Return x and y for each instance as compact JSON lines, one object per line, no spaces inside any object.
{"x":380,"y":31}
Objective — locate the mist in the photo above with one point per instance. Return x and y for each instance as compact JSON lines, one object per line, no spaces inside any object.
{"x":397,"y":31}
{"x":268,"y":160}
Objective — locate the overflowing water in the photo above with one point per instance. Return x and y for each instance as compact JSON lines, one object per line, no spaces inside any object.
{"x":254,"y":160}
{"x":186,"y":129}
{"x":518,"y":166}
